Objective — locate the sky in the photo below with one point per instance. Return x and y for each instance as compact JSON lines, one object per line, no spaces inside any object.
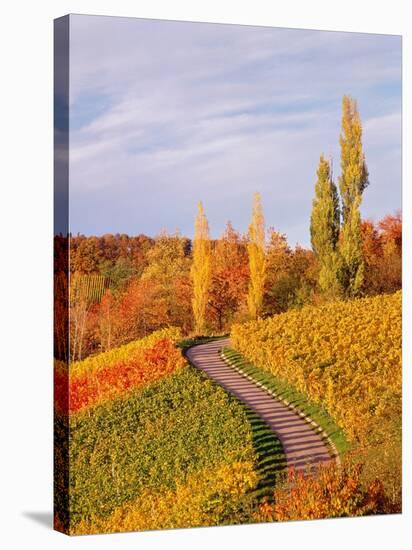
{"x":164,"y":114}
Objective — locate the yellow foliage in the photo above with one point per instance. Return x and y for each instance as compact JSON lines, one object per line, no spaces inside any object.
{"x":201,"y":269}
{"x":201,"y":500}
{"x":354,"y":177}
{"x":257,"y":259}
{"x":123,"y":353}
{"x":343,"y":355}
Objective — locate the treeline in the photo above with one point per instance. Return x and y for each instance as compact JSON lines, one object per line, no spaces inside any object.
{"x":127,"y":296}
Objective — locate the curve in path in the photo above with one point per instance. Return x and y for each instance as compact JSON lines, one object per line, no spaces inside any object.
{"x":302,"y":445}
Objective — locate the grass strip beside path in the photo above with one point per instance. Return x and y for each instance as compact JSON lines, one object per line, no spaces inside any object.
{"x":289,"y":394}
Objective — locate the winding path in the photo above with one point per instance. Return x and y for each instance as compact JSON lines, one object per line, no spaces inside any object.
{"x":301,"y":444}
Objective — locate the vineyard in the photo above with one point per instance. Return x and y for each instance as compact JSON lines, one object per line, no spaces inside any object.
{"x":87,"y":288}
{"x":111,"y":374}
{"x":153,"y":443}
{"x":346,"y":356}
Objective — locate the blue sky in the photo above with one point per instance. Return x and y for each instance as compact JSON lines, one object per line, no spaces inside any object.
{"x":163,"y":114}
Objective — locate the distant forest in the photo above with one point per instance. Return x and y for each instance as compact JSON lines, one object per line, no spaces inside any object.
{"x":126,"y":287}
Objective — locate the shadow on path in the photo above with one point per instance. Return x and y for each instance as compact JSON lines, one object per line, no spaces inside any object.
{"x":302,"y":446}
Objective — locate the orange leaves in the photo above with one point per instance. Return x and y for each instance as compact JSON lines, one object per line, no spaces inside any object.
{"x":391,"y":229}
{"x":382,"y":250}
{"x":110,"y":379}
{"x":230,"y":275}
{"x":327,"y":492}
{"x":137,"y":311}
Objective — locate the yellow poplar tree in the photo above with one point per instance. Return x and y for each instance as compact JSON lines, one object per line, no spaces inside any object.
{"x":201,"y":269}
{"x":324,"y":230}
{"x":353,"y":271}
{"x":352,"y":182}
{"x":257,"y":258}
{"x":354,"y":177}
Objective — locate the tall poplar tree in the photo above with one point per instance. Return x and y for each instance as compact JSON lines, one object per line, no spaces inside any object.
{"x":354,"y":177}
{"x":352,"y":182}
{"x":201,"y":269}
{"x":257,"y":258}
{"x":324,"y":229}
{"x":351,"y":251}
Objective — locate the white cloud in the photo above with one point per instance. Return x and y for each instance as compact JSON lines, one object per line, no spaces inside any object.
{"x":219,"y":111}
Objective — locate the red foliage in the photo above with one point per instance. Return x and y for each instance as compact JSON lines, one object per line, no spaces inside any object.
{"x":109,"y":382}
{"x":61,"y":387}
{"x":326,"y":492}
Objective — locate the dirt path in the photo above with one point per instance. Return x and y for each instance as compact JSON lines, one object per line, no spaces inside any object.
{"x":301,"y":444}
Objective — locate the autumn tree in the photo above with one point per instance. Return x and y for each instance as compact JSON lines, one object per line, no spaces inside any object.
{"x":130,"y":314}
{"x":382,"y":251}
{"x":107,"y":322}
{"x":230,"y":274}
{"x":85,"y":254}
{"x":351,"y":251}
{"x":304,"y":273}
{"x":354,"y":177}
{"x":291,"y":275}
{"x":101,"y":254}
{"x":278,"y":284}
{"x":257,"y":259}
{"x":324,"y":230}
{"x":201,"y":269}
{"x":352,"y":182}
{"x":142,"y":309}
{"x":85,"y":291}
{"x":168,"y":267}
{"x":390,"y":228}
{"x":138,"y":248}
{"x":372,"y":255}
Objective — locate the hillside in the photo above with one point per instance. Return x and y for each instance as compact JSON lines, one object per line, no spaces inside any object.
{"x":346,"y":356}
{"x":153,"y":443}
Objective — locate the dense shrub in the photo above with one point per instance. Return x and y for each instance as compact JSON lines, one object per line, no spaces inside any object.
{"x":329,"y":492}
